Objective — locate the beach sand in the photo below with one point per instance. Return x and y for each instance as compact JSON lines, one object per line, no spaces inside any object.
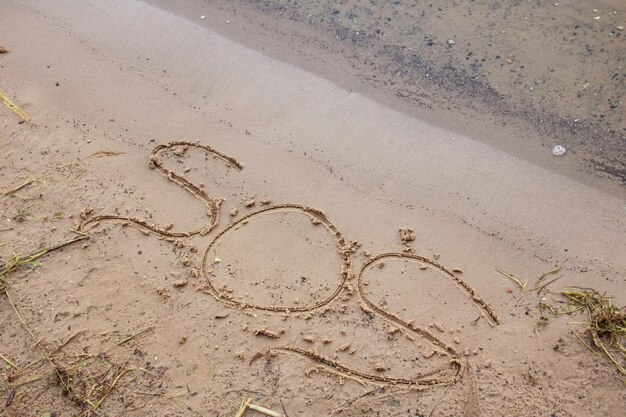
{"x":164,"y":326}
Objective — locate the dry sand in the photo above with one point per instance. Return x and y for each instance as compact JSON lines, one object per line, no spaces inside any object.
{"x":124,"y":76}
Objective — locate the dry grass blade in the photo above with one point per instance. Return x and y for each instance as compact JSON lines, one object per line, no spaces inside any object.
{"x":33,"y":337}
{"x":100,"y":154}
{"x":545,"y":274}
{"x":4,"y":358}
{"x":34,"y":179}
{"x":24,"y":184}
{"x":542,"y":287}
{"x":135,"y":335}
{"x":243,"y":407}
{"x":515,"y":280}
{"x":265,"y":411}
{"x":18,"y":260}
{"x":14,"y":108}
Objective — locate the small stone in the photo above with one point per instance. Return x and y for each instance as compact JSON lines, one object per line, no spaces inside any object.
{"x":508,"y":61}
{"x":202,"y":17}
{"x":428,"y":354}
{"x":380,"y":367}
{"x":451,"y":42}
{"x":234,"y":211}
{"x":182,"y":340}
{"x":180,"y":283}
{"x":619,"y":27}
{"x":249,"y":203}
{"x":558,"y":150}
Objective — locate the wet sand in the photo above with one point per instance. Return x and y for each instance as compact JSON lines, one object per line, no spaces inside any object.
{"x":126,"y":77}
{"x":523,"y":76}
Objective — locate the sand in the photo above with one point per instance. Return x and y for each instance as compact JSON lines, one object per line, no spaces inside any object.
{"x":172,"y":316}
{"x":522,"y":76}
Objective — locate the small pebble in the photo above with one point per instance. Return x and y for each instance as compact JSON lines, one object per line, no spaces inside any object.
{"x":180,"y":283}
{"x":558,"y":150}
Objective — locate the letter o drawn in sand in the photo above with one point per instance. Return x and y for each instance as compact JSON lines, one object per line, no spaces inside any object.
{"x":344,"y":251}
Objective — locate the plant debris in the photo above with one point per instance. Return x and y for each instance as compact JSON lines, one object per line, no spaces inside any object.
{"x":14,"y":108}
{"x":607,"y":323}
{"x":515,"y":280}
{"x":246,"y":404}
{"x":100,"y":154}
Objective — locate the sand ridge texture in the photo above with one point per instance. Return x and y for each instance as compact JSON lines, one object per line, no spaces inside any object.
{"x":107,"y":82}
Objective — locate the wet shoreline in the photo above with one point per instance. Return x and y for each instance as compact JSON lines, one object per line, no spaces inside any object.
{"x":513,"y":100}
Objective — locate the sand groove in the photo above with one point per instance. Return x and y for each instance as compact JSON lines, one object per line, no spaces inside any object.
{"x":155,"y":162}
{"x":345,"y":249}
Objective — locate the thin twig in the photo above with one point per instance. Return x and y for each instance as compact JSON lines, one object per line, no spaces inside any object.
{"x":4,"y":358}
{"x":283,"y":406}
{"x":34,"y":339}
{"x":25,"y":184}
{"x":133,"y":336}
